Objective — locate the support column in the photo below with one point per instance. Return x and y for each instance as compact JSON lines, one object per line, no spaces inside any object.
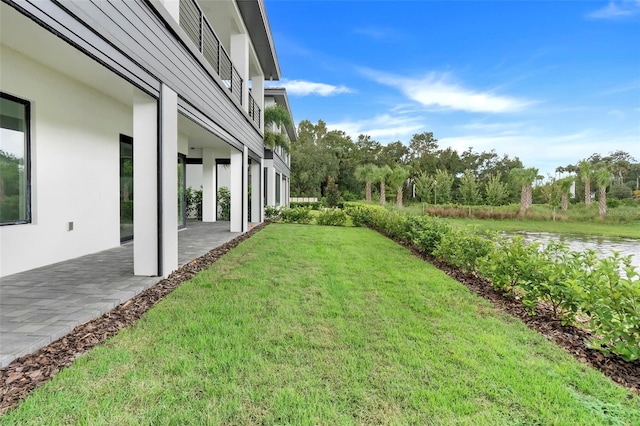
{"x":145,"y":184}
{"x":209,"y":186}
{"x":256,"y":191}
{"x":169,"y":180}
{"x":240,"y":58}
{"x":245,"y":189}
{"x":271,"y":183}
{"x":285,"y":191}
{"x":238,"y":188}
{"x":262,"y":187}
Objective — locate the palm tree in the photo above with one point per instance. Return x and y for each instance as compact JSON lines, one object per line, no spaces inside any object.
{"x":382,"y":174}
{"x":585,"y":171}
{"x":603,"y":178}
{"x":367,"y":174}
{"x":397,"y":179}
{"x":564,"y":185}
{"x":275,"y":117}
{"x":525,"y":178}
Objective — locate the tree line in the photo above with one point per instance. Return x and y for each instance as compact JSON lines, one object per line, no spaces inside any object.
{"x":425,"y":172}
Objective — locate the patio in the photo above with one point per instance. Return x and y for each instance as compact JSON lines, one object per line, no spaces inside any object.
{"x":40,"y":306}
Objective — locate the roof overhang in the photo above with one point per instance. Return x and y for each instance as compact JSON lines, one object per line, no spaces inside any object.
{"x":279,"y":94}
{"x":255,"y":19}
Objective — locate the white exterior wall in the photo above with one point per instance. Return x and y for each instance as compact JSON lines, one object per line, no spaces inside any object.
{"x":75,"y":155}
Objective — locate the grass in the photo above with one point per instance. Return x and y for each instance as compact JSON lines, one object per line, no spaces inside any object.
{"x":323,"y":325}
{"x":580,"y":221}
{"x":626,"y":230}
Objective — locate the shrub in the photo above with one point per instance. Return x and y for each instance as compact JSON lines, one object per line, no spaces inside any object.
{"x":426,"y":232}
{"x":612,"y":203}
{"x":550,"y":277}
{"x":332,"y":217}
{"x":620,"y":191}
{"x":224,"y":203}
{"x":331,"y":193}
{"x":463,"y":248}
{"x":360,"y":213}
{"x":612,"y":302}
{"x":313,"y":205}
{"x":194,"y":203}
{"x":507,"y":262}
{"x":391,"y":223}
{"x":297,"y":215}
{"x":272,"y":211}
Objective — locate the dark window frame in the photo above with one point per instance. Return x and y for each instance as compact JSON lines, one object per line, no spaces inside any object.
{"x":27,"y":162}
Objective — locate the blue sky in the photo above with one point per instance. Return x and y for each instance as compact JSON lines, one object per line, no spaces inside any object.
{"x":548,"y":81}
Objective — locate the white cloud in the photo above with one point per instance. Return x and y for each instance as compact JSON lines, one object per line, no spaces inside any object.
{"x":616,"y":10}
{"x":437,"y":90}
{"x":543,"y":151}
{"x":616,"y":113}
{"x":623,"y":88}
{"x":378,"y":33}
{"x":383,"y":128}
{"x":372,"y":32}
{"x":306,"y":88}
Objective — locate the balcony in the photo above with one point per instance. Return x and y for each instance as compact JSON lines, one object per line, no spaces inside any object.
{"x":194,"y":22}
{"x":254,"y":110}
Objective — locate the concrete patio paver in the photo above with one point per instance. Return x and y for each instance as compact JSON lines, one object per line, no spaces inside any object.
{"x":42,"y":305}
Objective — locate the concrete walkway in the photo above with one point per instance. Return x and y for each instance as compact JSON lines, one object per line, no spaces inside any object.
{"x":40,"y":306}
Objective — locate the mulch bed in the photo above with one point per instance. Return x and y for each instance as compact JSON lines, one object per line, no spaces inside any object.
{"x":26,"y":373}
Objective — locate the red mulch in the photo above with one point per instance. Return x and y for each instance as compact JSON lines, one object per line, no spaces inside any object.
{"x":26,"y":373}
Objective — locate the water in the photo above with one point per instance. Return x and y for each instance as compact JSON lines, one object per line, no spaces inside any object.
{"x":601,"y":245}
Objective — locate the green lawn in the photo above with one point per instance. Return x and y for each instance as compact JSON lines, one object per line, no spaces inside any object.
{"x":627,"y":230}
{"x":334,"y":326}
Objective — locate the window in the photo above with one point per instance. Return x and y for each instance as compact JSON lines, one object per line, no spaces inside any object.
{"x":126,"y":188}
{"x":15,"y":203}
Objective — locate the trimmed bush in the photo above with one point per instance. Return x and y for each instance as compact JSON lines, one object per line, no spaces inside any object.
{"x":426,"y":232}
{"x":331,"y":217}
{"x":361,"y":213}
{"x":463,"y":249}
{"x":507,"y":262}
{"x":315,"y":205}
{"x":297,"y":215}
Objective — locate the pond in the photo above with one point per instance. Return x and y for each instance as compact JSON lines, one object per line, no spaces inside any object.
{"x":601,"y":245}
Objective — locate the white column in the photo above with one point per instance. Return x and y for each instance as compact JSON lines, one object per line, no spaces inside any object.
{"x":209,"y":189}
{"x":245,"y":189}
{"x":236,"y":188}
{"x":169,"y":173}
{"x":257,"y":91}
{"x":262,"y":186}
{"x":256,"y":190}
{"x":145,"y":180}
{"x":240,"y":58}
{"x":271,"y":183}
{"x":285,"y":190}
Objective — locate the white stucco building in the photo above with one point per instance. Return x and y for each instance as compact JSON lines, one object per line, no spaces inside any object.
{"x":110,"y":109}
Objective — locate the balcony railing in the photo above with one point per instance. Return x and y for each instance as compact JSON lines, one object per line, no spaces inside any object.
{"x":197,"y":26}
{"x":254,"y":110}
